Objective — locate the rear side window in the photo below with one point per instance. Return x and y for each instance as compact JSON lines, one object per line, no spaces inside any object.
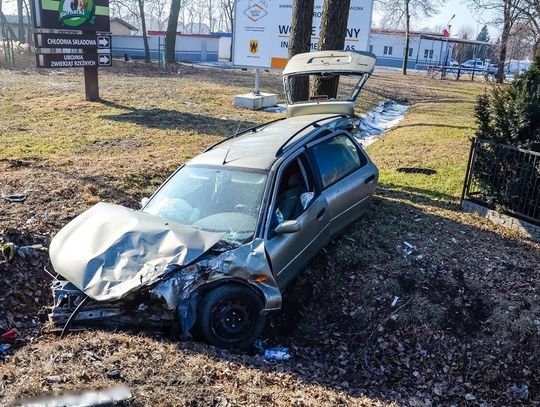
{"x":336,"y":158}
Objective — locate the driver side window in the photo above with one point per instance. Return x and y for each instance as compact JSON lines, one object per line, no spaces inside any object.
{"x":294,"y":193}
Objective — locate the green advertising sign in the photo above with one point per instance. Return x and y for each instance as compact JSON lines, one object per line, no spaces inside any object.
{"x":74,"y":13}
{"x":85,"y":15}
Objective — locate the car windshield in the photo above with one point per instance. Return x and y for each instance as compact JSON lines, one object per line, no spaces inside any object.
{"x":212,"y":199}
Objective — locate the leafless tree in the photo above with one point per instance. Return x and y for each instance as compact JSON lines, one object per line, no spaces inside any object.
{"x":299,"y":42}
{"x":172,"y":25}
{"x":399,"y":13}
{"x":134,"y":10}
{"x":333,"y":30}
{"x":507,"y":13}
{"x":227,"y":7}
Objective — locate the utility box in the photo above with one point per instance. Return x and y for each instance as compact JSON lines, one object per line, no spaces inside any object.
{"x":255,"y":101}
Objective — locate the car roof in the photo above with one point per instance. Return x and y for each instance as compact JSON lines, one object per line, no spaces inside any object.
{"x":260,"y":147}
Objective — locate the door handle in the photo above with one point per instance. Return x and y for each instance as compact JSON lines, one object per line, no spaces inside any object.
{"x":369,"y":179}
{"x":321,"y":213}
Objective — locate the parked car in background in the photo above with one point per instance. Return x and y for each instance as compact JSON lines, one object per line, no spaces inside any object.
{"x":474,"y":64}
{"x":214,"y":247}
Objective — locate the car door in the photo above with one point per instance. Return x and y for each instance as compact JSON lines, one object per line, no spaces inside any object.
{"x":289,"y":252}
{"x":347,"y":178}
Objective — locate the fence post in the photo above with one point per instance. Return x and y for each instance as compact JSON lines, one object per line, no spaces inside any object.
{"x":468,"y":172}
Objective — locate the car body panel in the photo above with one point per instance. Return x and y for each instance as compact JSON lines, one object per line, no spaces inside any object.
{"x":327,"y":65}
{"x":331,"y":62}
{"x":348,"y":197}
{"x":289,"y":252}
{"x":109,"y":251}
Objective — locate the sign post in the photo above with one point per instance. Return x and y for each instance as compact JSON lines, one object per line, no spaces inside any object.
{"x":84,"y":40}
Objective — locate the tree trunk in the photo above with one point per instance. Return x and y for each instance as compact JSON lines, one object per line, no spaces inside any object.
{"x":332,"y":37}
{"x":505,"y":35}
{"x":300,"y":42}
{"x":407,"y":36}
{"x":20,"y":30}
{"x":144,"y":34}
{"x":172,"y":25}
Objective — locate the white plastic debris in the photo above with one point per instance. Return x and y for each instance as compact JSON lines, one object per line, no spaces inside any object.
{"x":521,"y":392}
{"x":278,"y":353}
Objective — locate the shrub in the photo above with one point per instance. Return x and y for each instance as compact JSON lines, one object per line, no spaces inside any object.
{"x":511,"y":114}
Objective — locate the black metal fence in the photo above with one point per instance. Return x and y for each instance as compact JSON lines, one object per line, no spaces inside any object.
{"x":505,"y":178}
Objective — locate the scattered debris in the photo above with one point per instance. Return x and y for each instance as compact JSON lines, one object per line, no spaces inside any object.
{"x":114,"y":374}
{"x":521,"y":392}
{"x":9,"y":335}
{"x":276,"y":354}
{"x":8,"y":250}
{"x":14,"y":197}
{"x":470,"y":397}
{"x":407,"y":249}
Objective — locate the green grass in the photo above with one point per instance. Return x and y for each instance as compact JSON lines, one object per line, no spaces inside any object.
{"x":434,"y":134}
{"x":150,"y":123}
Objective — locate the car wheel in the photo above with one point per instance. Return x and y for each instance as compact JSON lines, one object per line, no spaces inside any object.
{"x":229,"y":317}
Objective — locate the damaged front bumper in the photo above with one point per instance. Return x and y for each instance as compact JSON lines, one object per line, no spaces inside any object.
{"x":173,"y":299}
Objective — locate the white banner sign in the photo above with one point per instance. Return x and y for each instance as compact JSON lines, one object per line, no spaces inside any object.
{"x":262,"y":29}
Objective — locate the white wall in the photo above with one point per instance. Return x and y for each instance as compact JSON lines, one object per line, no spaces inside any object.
{"x":188,"y":47}
{"x":378,"y":41}
{"x":225,"y":48}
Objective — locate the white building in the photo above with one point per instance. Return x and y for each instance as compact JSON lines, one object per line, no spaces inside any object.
{"x":424,"y":48}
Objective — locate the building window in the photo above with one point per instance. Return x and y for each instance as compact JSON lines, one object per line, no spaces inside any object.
{"x":428,"y":53}
{"x":410,"y":52}
{"x":387,"y":50}
{"x":371,"y":48}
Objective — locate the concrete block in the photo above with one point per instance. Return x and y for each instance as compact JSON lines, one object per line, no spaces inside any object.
{"x":255,"y":102}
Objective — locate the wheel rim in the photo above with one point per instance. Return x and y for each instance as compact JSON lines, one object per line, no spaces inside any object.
{"x":232,"y":320}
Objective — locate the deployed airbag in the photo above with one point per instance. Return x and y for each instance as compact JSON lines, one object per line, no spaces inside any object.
{"x":110,"y":251}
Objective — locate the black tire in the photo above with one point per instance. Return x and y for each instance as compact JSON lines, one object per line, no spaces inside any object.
{"x":229,"y":317}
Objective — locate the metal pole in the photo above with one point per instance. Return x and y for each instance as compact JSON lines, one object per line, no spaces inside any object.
{"x":257,"y":83}
{"x":468,"y":173}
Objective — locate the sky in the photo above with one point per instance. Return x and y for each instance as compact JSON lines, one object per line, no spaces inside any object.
{"x":464,"y":17}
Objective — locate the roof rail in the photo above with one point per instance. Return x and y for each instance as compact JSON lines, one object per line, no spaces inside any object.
{"x":252,"y":129}
{"x":314,"y":124}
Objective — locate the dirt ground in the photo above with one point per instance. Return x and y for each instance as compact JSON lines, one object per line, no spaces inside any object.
{"x":416,"y":304}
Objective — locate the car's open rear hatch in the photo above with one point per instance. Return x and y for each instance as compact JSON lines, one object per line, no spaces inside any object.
{"x":357,"y":66}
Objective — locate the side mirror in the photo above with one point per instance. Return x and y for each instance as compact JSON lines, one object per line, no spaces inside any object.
{"x":288,"y":226}
{"x":144,"y":201}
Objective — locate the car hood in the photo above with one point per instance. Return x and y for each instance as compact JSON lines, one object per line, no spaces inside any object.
{"x":110,"y":251}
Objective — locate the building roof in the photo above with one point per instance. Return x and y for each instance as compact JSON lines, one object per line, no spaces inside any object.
{"x":258,"y":149}
{"x":402,"y":32}
{"x":125,"y":23}
{"x":222,"y":34}
{"x":179,"y":33}
{"x":455,"y":40}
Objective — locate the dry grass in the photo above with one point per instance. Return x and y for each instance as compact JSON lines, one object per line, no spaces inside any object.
{"x":469,"y":326}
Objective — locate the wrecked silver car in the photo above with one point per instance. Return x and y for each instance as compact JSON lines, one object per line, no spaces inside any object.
{"x":211,"y":251}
